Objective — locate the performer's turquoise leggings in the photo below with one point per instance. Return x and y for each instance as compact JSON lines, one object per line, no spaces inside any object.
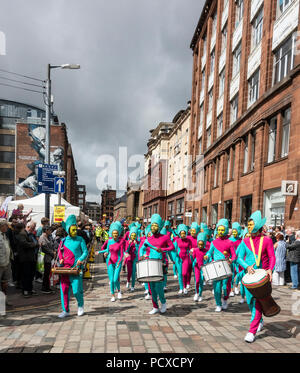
{"x":157,"y":290}
{"x":114,"y":275}
{"x":218,"y":287}
{"x":66,"y":282}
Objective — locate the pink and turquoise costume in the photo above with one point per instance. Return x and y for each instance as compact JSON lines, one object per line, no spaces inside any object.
{"x":131,"y":248}
{"x":183,"y":247}
{"x":115,"y":250}
{"x":198,"y":262}
{"x":71,"y":249}
{"x":247,"y":258}
{"x":156,"y":241}
{"x":166,"y":230}
{"x":216,"y":252}
{"x":193,"y":240}
{"x":142,"y":240}
{"x":236,"y":242}
{"x":240,"y":270}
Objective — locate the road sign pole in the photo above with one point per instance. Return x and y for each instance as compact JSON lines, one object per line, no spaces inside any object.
{"x":47,"y":137}
{"x":59,"y":198}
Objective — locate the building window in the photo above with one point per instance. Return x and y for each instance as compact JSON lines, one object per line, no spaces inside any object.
{"x":7,"y":189}
{"x":236,"y":59}
{"x":7,"y":157}
{"x":203,"y":79}
{"x":228,"y":210}
{"x":205,"y":179}
{"x":208,"y":137}
{"x":214,"y":23}
{"x":239,"y":11}
{"x":215,"y":173}
{"x":246,"y":209}
{"x":234,"y":109}
{"x":219,"y":124}
{"x":283,"y":5}
{"x":170,"y":208}
{"x":224,"y":37}
{"x":7,"y":173}
{"x":253,"y":84}
{"x":285,"y":132}
{"x":212,"y":61}
{"x":155,"y":209}
{"x":200,"y":146}
{"x":214,"y":214}
{"x":180,"y":205}
{"x":210,"y":99}
{"x":150,"y":211}
{"x":204,"y":214}
{"x":253,"y":136}
{"x":257,"y":26}
{"x":204,"y":46}
{"x":284,"y":59}
{"x":7,"y":140}
{"x":228,"y":166}
{"x":233,"y":163}
{"x":201,"y":117}
{"x":221,"y":82}
{"x":272,"y":139}
{"x":246,"y":153}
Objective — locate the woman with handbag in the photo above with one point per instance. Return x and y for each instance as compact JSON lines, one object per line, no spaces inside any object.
{"x":48,"y":248}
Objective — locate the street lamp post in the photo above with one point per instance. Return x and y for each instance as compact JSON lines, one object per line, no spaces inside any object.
{"x":48,"y":119}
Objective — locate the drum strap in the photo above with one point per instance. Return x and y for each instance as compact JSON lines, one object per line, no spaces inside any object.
{"x":257,"y":258}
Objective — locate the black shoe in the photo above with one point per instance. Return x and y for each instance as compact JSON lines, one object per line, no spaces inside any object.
{"x":26,"y":294}
{"x":47,"y":291}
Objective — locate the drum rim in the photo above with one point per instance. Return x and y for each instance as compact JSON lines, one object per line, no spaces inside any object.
{"x":143,"y":260}
{"x":256,"y":284}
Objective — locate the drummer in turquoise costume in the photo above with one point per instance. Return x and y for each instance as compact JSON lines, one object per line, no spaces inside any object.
{"x":131,"y":256}
{"x":72,"y":252}
{"x":198,"y":262}
{"x":166,"y":230}
{"x":221,"y":248}
{"x":194,"y":230}
{"x":148,"y":233}
{"x":115,"y":250}
{"x":240,"y":270}
{"x":256,"y":252}
{"x":236,"y":238}
{"x":153,"y":248}
{"x":183,"y":246}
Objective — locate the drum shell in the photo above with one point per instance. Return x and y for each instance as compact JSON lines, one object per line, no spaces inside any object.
{"x":260,"y":292}
{"x":216,"y":271}
{"x":65,"y":271}
{"x":149,"y":270}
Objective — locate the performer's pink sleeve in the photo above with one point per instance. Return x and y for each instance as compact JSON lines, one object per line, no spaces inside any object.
{"x":170,"y":246}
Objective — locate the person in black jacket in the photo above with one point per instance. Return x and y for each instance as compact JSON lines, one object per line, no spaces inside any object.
{"x":26,"y":253}
{"x":15,"y":266}
{"x":293,"y":257}
{"x":48,"y":248}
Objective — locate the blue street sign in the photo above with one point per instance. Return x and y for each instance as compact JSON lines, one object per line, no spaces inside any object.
{"x":59,"y":185}
{"x":46,"y":178}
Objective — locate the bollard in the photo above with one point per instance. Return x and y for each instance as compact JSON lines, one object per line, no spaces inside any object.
{"x":87,"y":274}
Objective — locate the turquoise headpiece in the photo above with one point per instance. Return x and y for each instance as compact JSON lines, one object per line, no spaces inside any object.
{"x":156,"y":218}
{"x":259,"y":222}
{"x":244,"y":232}
{"x":133,"y":230}
{"x":195,"y":225}
{"x":224,"y":223}
{"x":182,"y":227}
{"x":202,"y":237}
{"x":114,"y":227}
{"x":138,"y":225}
{"x":71,"y":220}
{"x":237,"y":226}
{"x":147,"y":230}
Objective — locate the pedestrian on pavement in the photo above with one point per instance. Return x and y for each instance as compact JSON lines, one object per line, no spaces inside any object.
{"x":280,"y":265}
{"x":26,"y":252}
{"x":48,"y":248}
{"x":293,"y":257}
{"x":44,"y":222}
{"x":15,"y":266}
{"x":31,"y":230}
{"x":6,"y":256}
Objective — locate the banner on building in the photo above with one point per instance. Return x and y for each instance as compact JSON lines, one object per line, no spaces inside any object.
{"x":4,"y":207}
{"x":59,"y":213}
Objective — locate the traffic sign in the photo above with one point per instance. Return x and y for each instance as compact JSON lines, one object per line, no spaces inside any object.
{"x":46,"y":178}
{"x":59,"y":185}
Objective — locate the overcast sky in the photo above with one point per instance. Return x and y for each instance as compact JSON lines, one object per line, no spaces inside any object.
{"x":136,"y":68}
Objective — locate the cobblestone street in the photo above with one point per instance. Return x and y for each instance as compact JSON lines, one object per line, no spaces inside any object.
{"x":126,"y":327}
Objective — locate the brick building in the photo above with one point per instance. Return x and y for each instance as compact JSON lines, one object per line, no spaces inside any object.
{"x":81,"y":191}
{"x":244,"y":110}
{"x":120,"y":208}
{"x":108,"y":198}
{"x":134,"y":201}
{"x":166,"y":170}
{"x":93,"y":211}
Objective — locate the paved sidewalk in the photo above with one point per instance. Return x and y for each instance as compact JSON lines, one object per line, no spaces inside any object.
{"x":125,"y":326}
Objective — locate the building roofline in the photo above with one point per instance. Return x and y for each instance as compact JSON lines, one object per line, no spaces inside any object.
{"x":22,"y":103}
{"x":201,"y":21}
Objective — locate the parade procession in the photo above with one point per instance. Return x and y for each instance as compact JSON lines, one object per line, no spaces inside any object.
{"x":149,"y":179}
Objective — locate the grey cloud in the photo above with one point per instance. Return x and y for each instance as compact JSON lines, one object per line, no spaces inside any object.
{"x":136,"y":67}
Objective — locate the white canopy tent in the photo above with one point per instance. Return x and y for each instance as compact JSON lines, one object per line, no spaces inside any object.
{"x":37,"y":204}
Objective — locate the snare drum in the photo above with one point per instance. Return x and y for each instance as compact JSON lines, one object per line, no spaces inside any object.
{"x":66,"y":271}
{"x":259,"y":285}
{"x":149,"y":270}
{"x":216,"y":271}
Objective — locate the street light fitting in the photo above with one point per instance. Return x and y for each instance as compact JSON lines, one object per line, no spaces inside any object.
{"x":70,"y":66}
